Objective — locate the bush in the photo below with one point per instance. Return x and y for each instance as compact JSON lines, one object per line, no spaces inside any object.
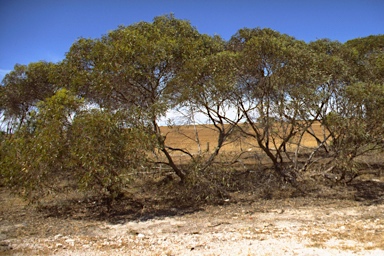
{"x":104,"y":152}
{"x":94,"y":149}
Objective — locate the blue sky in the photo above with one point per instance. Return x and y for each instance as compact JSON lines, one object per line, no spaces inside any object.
{"x":33,"y":30}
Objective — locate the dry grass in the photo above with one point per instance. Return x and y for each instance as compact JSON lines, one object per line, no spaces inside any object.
{"x":204,"y":138}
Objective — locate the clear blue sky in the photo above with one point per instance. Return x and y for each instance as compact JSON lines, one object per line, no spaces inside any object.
{"x":33,"y":30}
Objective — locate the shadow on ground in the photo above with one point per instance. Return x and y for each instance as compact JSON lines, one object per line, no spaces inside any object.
{"x":152,"y":206}
{"x":120,"y":211}
{"x":371,"y":192}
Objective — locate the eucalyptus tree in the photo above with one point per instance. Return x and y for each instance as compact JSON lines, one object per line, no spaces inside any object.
{"x":277,"y":94}
{"x":208,"y":83}
{"x":355,"y":113}
{"x":332,"y":72}
{"x":132,"y":68}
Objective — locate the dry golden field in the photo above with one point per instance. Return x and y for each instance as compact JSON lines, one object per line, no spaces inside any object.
{"x":190,"y":137}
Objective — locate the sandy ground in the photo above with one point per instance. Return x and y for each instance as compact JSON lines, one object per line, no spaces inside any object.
{"x":298,"y":226}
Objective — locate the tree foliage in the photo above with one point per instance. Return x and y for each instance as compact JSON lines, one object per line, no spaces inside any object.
{"x":36,"y":155}
{"x":62,"y":141}
{"x":275,"y":91}
{"x":23,"y":88}
{"x":104,"y":152}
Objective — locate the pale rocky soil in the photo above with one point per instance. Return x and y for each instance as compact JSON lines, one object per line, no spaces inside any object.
{"x":296,"y":226}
